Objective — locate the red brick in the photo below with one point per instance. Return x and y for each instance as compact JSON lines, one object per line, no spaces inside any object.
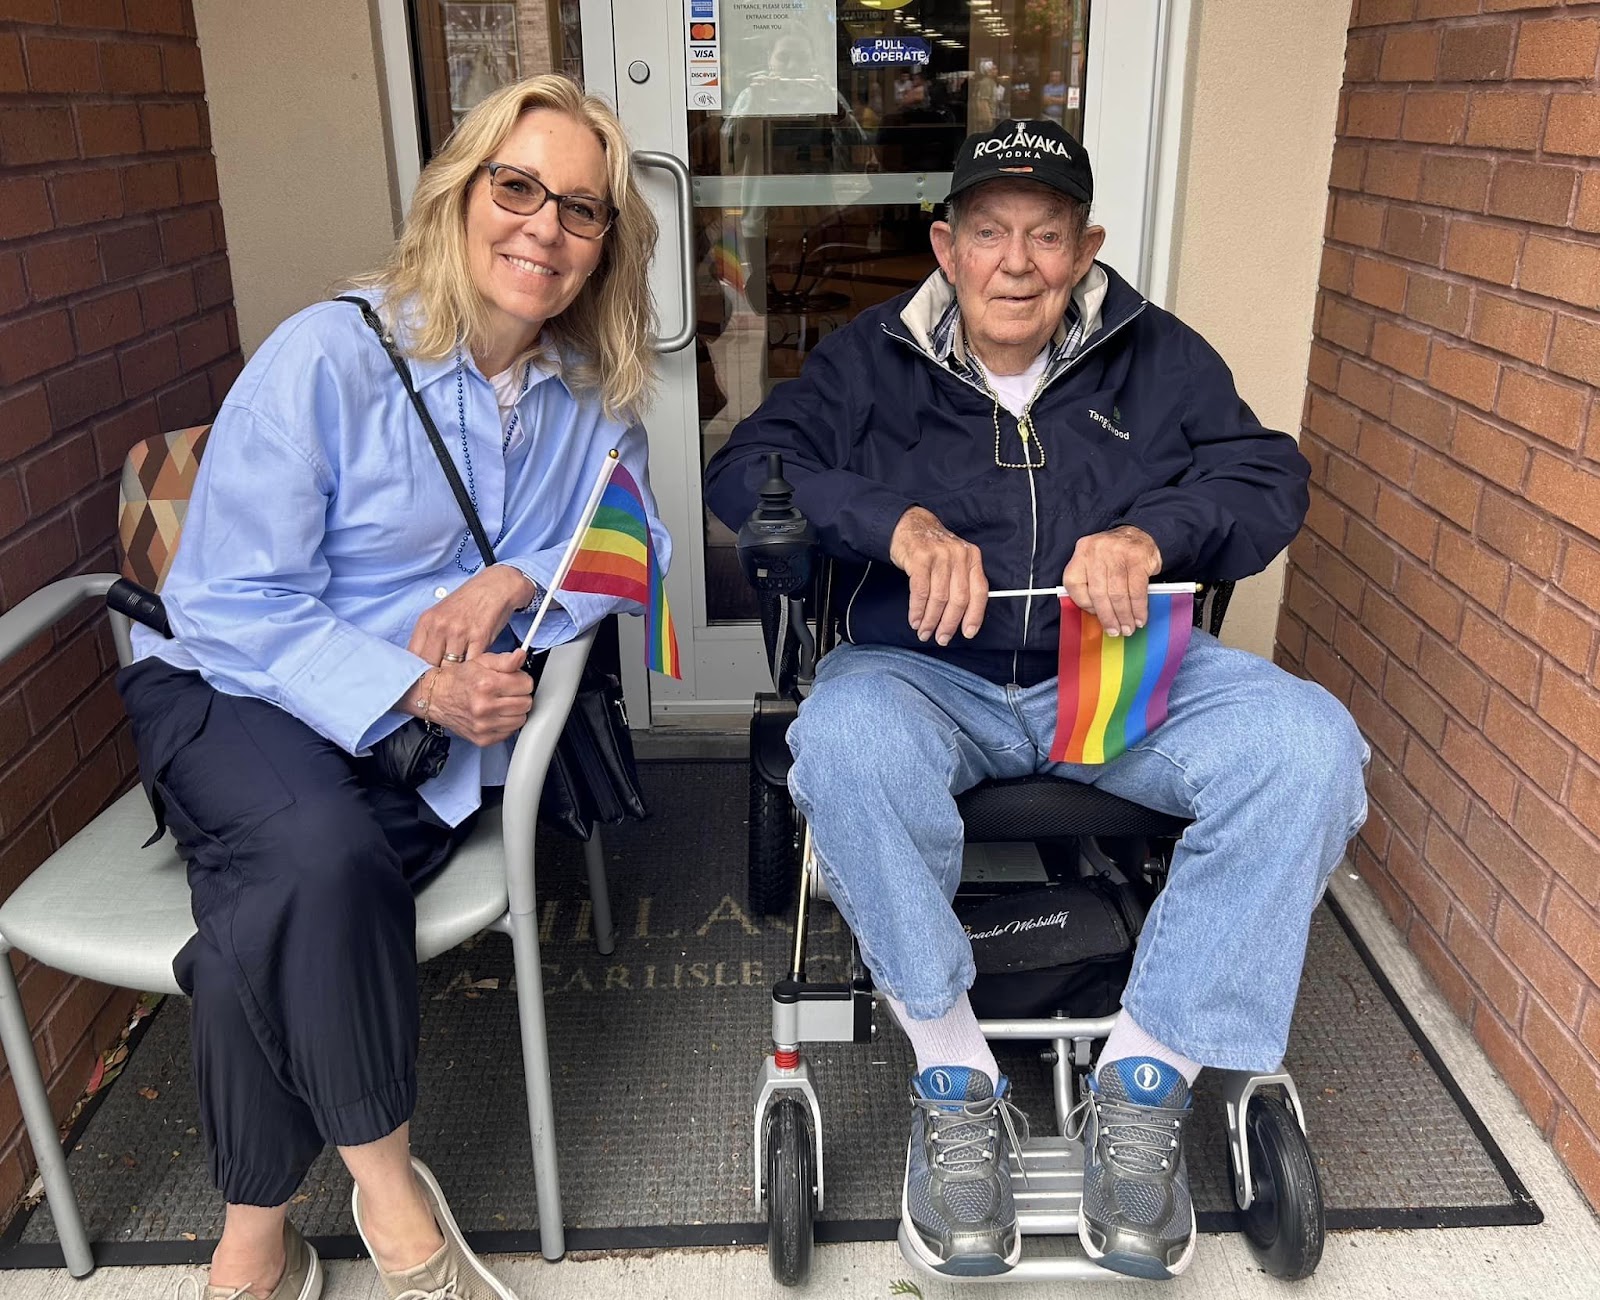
{"x":1562,"y":269}
{"x":1374,"y":114}
{"x":1579,"y":577}
{"x":1499,"y":119}
{"x":202,"y":341}
{"x":212,"y":283}
{"x":1349,"y":160}
{"x":1481,"y":766}
{"x":1487,"y":252}
{"x":187,"y":235}
{"x":197,"y":178}
{"x":1510,"y":326}
{"x":24,"y":208}
{"x":1422,"y":415}
{"x":1543,"y":407}
{"x":1383,"y":284}
{"x":1386,"y":453}
{"x":1511,"y":1058}
{"x":1552,"y":833}
{"x":84,"y":389}
{"x":1413,"y":527}
{"x":1508,"y":860}
{"x":1500,"y":457}
{"x":1399,"y":802}
{"x":1507,"y":659}
{"x":1583,"y":798}
{"x":1570,"y":493}
{"x":1575,"y":349}
{"x":96,"y":716}
{"x":1569,"y":706}
{"x":129,"y":68}
{"x":1311,"y":605}
{"x":1360,"y":651}
{"x":188,"y":403}
{"x":151,"y":186}
{"x":114,"y":437}
{"x":1392,"y":626}
{"x":1454,"y":181}
{"x":85,"y":196}
{"x":181,"y":68}
{"x":62,"y":67}
{"x":13,"y":75}
{"x":36,"y":135}
{"x":1332,"y":420}
{"x":13,"y":287}
{"x":150,"y":364}
{"x":1346,"y":326}
{"x":1557,"y":49}
{"x":108,"y":129}
{"x":1573,"y":126}
{"x":1518,"y":533}
{"x":1576,"y":929}
{"x":1325,"y":668}
{"x":1586,"y":215}
{"x":1411,"y":55}
{"x":170,"y":126}
{"x":1486,"y":968}
{"x":1394,"y":173}
{"x":1370,"y":552}
{"x":24,"y":788}
{"x":1479,"y":52}
{"x":165,"y":16}
{"x":1478,"y":572}
{"x":1435,"y":116}
{"x":1357,"y":221}
{"x":62,"y":266}
{"x":1443,"y":969}
{"x":131,"y":250}
{"x":1335,"y":271}
{"x":1538,"y":192}
{"x":1365,"y":387}
{"x":1415,"y":236}
{"x":105,"y":14}
{"x":1414,"y":702}
{"x":13,"y":514}
{"x":24,"y":421}
{"x":1451,"y":862}
{"x":1579,"y":1151}
{"x":1464,"y":374}
{"x":1431,"y":601}
{"x":1441,"y":485}
{"x":1434,"y":300}
{"x":1574,"y":1071}
{"x":1361,"y":56}
{"x":1418,"y":884}
{"x":1289,"y":641}
{"x":1340,"y":580}
{"x":33,"y":345}
{"x":1368,"y":13}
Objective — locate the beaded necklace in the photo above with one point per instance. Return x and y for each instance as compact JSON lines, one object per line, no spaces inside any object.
{"x":466,"y":449}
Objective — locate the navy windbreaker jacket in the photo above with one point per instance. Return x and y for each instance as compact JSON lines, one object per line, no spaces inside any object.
{"x":1140,"y":425}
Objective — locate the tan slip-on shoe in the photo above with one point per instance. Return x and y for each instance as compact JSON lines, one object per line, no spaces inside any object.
{"x":452,"y":1272}
{"x":301,"y":1280}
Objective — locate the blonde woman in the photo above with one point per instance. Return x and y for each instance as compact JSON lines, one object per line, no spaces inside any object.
{"x":325,"y":591}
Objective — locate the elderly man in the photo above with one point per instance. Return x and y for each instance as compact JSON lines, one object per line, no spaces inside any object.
{"x":1024,"y":417}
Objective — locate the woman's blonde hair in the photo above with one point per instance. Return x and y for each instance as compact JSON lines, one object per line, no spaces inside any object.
{"x":603,"y":340}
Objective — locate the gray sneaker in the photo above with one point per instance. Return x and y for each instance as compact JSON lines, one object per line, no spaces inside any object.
{"x":957,"y":1208}
{"x":452,"y":1272}
{"x":1137,"y":1217}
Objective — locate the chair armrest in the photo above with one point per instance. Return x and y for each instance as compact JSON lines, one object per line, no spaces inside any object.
{"x":34,"y":614}
{"x":530,"y":760}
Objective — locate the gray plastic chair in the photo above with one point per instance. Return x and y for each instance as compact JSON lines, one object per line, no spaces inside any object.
{"x":103,"y":908}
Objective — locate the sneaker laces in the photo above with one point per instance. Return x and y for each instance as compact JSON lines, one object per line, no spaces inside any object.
{"x":964,"y":1135}
{"x":1139,"y":1139}
{"x":446,"y":1292}
{"x":188,"y":1288}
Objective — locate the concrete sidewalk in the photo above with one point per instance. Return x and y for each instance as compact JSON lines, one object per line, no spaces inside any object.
{"x":1557,"y":1260}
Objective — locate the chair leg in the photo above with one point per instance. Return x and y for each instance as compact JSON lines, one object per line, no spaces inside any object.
{"x":536,"y":1072}
{"x":605,"y":932}
{"x":41,"y":1125}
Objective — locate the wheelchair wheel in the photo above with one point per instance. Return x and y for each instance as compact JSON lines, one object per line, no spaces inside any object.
{"x":1284,"y":1222}
{"x":791,"y":1191}
{"x":774,"y":848}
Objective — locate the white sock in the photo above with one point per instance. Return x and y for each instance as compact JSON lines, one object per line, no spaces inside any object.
{"x":953,"y":1039}
{"x":1127,"y":1039}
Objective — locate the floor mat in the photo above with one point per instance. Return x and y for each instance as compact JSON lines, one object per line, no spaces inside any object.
{"x":655,"y":1050}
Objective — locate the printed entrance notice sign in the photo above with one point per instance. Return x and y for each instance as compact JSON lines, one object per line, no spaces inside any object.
{"x":779,"y":58}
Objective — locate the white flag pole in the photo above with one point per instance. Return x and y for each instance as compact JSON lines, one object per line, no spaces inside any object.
{"x":593,"y":504}
{"x":1155,"y":589}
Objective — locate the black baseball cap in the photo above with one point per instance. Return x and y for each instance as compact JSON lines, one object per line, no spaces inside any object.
{"x":1037,"y":150}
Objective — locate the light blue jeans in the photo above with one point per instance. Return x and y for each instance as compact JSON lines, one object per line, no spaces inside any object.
{"x":1270,"y":768}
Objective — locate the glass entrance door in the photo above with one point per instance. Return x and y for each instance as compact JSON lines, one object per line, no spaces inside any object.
{"x":818,"y":137}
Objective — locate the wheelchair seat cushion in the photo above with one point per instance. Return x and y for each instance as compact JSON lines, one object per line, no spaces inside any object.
{"x":1049,"y":807}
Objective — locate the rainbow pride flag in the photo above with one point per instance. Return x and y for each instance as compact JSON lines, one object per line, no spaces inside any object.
{"x":616,"y":557}
{"x":1112,"y":690}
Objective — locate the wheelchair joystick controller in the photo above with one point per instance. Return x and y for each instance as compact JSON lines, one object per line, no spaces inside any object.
{"x":777,"y":543}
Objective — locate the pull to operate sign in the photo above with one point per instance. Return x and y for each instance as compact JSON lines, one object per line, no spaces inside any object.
{"x":889,"y":52}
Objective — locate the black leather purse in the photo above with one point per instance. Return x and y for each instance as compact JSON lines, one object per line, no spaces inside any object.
{"x":593,"y":776}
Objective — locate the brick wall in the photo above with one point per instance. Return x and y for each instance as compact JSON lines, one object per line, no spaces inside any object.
{"x":1448,"y":581}
{"x":116,"y":322}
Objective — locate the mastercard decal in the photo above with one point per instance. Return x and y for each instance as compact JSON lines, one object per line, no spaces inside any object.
{"x":702,"y":31}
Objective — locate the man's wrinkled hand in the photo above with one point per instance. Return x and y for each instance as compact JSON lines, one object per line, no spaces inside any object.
{"x":949,"y":591}
{"x":1109,"y":576}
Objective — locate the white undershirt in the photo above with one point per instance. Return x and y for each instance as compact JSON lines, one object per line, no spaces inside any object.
{"x":507,"y":390}
{"x":1015,"y":390}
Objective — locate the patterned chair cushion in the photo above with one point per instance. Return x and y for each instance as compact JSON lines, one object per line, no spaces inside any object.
{"x":157,"y":480}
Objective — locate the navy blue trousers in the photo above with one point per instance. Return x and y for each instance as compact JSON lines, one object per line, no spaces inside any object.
{"x":304,"y":969}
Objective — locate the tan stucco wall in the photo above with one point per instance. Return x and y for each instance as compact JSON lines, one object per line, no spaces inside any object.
{"x":1263,"y":91}
{"x":302,"y":152}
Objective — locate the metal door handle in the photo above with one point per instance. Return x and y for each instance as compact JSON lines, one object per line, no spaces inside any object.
{"x":680,"y":182}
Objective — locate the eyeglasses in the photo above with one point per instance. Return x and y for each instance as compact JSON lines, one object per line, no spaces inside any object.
{"x":514,"y":190}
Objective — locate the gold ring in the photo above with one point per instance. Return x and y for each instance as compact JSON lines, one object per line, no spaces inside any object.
{"x":454,"y":659}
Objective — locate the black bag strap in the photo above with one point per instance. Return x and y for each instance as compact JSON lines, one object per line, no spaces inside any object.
{"x":445,"y":463}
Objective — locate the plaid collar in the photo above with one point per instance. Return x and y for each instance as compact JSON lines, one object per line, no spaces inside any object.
{"x":949,"y":344}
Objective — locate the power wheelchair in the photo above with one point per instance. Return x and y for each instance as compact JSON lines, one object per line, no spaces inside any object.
{"x":1105,"y":859}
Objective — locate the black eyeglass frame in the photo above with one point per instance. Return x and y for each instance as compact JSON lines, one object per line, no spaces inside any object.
{"x":495,"y":168}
